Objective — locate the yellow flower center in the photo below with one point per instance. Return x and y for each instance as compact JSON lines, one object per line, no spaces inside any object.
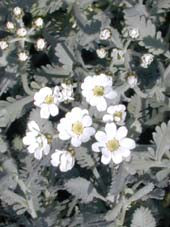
{"x":112,"y":145}
{"x":98,"y":91}
{"x":118,"y":114}
{"x":49,"y":99}
{"x":77,"y":128}
{"x":49,"y":138}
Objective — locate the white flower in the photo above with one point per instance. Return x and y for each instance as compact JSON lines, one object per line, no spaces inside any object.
{"x":36,"y":141}
{"x":105,"y":34}
{"x":10,"y":25}
{"x":66,"y":92}
{"x":132,"y":80}
{"x":101,"y":53}
{"x":21,"y":32}
{"x":17,"y":11}
{"x":113,"y":144}
{"x":76,"y":126}
{"x":115,"y":113}
{"x":146,"y":60}
{"x":3,"y":45}
{"x":47,"y":101}
{"x":97,"y":89}
{"x":134,"y":33}
{"x":118,"y":56}
{"x":39,"y":22}
{"x":40,"y":44}
{"x":23,"y":56}
{"x":64,"y":159}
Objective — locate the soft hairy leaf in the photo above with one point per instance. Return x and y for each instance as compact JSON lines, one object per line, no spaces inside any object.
{"x":143,"y":217}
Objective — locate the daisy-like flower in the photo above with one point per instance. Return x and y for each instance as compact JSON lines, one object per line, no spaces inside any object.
{"x":101,"y":53}
{"x":3,"y":45}
{"x":118,"y":56}
{"x":38,"y":143}
{"x":46,"y":99}
{"x":10,"y":26}
{"x":105,"y":34}
{"x":66,"y":92}
{"x":146,"y":60}
{"x":64,"y":159}
{"x":39,"y":22}
{"x":23,"y":56}
{"x":97,"y":89}
{"x":40,"y":44}
{"x":76,"y":126}
{"x":115,"y":113}
{"x":113,"y":144}
{"x":17,"y":11}
{"x":21,"y":32}
{"x":134,"y":33}
{"x":132,"y":80}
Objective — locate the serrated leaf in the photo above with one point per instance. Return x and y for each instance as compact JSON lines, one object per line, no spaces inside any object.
{"x":143,"y":217}
{"x":83,"y":158}
{"x":82,"y":189}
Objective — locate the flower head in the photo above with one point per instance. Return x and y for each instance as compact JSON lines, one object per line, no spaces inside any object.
{"x":10,"y":26}
{"x":39,"y":22}
{"x":37,"y":143}
{"x":97,"y":89}
{"x":118,"y":56}
{"x":66,"y":93}
{"x":76,"y":126}
{"x":101,"y":53}
{"x":105,"y":34}
{"x":17,"y":11}
{"x":132,"y":80}
{"x":146,"y":60}
{"x":64,"y":159}
{"x":3,"y":45}
{"x":40,"y":44}
{"x":134,"y":33}
{"x":113,"y":144}
{"x":21,"y":32}
{"x":23,"y":56}
{"x":47,"y":101}
{"x":115,"y":113}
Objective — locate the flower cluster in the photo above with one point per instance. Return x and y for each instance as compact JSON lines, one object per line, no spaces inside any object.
{"x":21,"y":34}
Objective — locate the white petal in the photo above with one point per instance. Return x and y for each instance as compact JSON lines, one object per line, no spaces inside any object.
{"x":111,"y":95}
{"x":111,"y":130}
{"x":32,"y":148}
{"x":75,"y":141}
{"x":96,"y":146}
{"x":45,"y":91}
{"x":107,"y":118}
{"x":63,"y":135}
{"x":101,"y":105}
{"x":101,"y":136}
{"x":47,"y":149}
{"x":124,"y":152}
{"x":105,"y":159}
{"x":55,"y":158}
{"x":127,"y":143}
{"x":38,"y":154}
{"x":121,"y":133}
{"x":44,"y":112}
{"x":87,"y":121}
{"x":53,"y":110}
{"x":32,"y":126}
{"x":116,"y":157}
{"x":26,"y":140}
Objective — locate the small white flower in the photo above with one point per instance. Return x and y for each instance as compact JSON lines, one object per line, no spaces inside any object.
{"x":10,"y":25}
{"x":134,"y":33}
{"x":21,"y":32}
{"x":115,"y":113}
{"x":118,"y":56}
{"x":66,"y":93}
{"x":76,"y":126}
{"x":17,"y":11}
{"x":36,"y":141}
{"x":101,"y":53}
{"x":46,"y":99}
{"x":64,"y":159}
{"x":105,"y":34}
{"x":113,"y":144}
{"x":23,"y":56}
{"x":146,"y":60}
{"x":39,"y":22}
{"x":132,"y":80}
{"x":40,"y":44}
{"x":97,"y":89}
{"x":3,"y":45}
